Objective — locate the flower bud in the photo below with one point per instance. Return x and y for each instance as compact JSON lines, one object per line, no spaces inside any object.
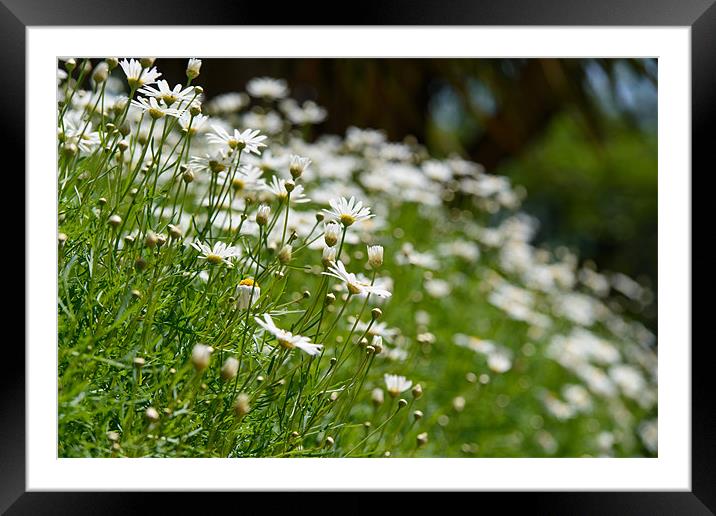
{"x":70,"y":64}
{"x":329,"y":256}
{"x":115,"y":220}
{"x":262,"y":214}
{"x":101,"y":72}
{"x":329,"y":442}
{"x":376,"y":313}
{"x":193,"y":68}
{"x":402,"y":403}
{"x":377,"y":396}
{"x":195,"y":110}
{"x":417,"y":415}
{"x":375,"y":256}
{"x":417,"y":391}
{"x":285,"y":254}
{"x":151,"y":240}
{"x":200,"y":356}
{"x":230,"y":368}
{"x":422,"y":439}
{"x":174,"y":231}
{"x":377,"y":343}
{"x":331,"y":233}
{"x":241,"y":405}
{"x":188,"y":176}
{"x":140,"y":264}
{"x":151,"y":414}
{"x":138,"y":362}
{"x":330,"y":298}
{"x":112,"y":63}
{"x":146,"y":62}
{"x":290,"y":186}
{"x":320,"y":216}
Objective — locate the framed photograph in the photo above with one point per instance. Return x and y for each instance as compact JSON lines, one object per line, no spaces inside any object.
{"x":443,"y":248}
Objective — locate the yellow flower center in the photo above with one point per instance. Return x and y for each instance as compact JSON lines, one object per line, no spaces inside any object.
{"x":238,"y":184}
{"x":353,"y":289}
{"x":213,"y":259}
{"x":169,"y":99}
{"x":347,"y":219}
{"x":249,"y":282}
{"x":156,"y":113}
{"x":286,"y":343}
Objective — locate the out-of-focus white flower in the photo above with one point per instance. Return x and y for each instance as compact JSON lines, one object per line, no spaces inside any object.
{"x":220,"y":252}
{"x":354,"y":285}
{"x":268,"y":88}
{"x":396,"y":384}
{"x":287,"y":339}
{"x":277,"y":187}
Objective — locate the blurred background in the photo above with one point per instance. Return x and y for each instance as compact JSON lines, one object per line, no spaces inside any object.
{"x":580,"y":135}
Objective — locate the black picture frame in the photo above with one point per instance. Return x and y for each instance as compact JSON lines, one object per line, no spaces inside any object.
{"x":699,"y":15}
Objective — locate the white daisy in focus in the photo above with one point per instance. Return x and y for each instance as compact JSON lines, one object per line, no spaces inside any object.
{"x":348,"y":211}
{"x":267,"y":88}
{"x":355,"y":286}
{"x":169,"y":95}
{"x":154,"y":108}
{"x":137,"y":76}
{"x":217,"y":254}
{"x":249,"y":140}
{"x":396,"y":384}
{"x":287,"y":339}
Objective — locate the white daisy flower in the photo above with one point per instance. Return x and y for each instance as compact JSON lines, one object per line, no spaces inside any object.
{"x":248,"y":291}
{"x":217,"y":254}
{"x":154,"y":108}
{"x":348,"y":211}
{"x":249,"y":140}
{"x":227,"y":103}
{"x":267,"y":88}
{"x":215,"y":163}
{"x":355,"y":286}
{"x":278,"y":188}
{"x":192,"y":124}
{"x":287,"y":339}
{"x":375,"y":256}
{"x":247,"y":178}
{"x":169,"y":95}
{"x":297,"y":165}
{"x":396,"y":384}
{"x":137,"y":76}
